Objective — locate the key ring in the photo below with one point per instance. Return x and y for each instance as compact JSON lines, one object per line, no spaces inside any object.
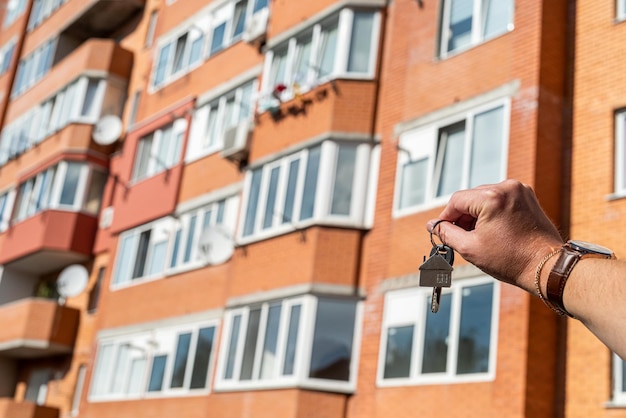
{"x":431,"y":232}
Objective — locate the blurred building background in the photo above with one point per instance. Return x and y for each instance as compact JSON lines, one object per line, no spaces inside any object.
{"x":217,"y":208}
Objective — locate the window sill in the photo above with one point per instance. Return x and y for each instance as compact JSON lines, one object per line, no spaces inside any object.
{"x":322,"y":386}
{"x":454,"y":53}
{"x":202,"y":154}
{"x":149,"y":395}
{"x":443,"y":380}
{"x":621,"y":194}
{"x":615,"y":404}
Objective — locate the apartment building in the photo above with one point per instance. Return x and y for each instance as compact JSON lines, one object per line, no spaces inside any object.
{"x":217,"y":208}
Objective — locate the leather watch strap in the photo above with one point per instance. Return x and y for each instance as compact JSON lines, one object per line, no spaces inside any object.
{"x":558,"y":278}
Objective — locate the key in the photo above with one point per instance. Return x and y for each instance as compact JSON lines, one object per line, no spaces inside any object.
{"x":436,"y":272}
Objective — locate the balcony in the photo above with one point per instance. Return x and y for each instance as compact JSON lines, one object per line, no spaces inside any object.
{"x":100,"y":18}
{"x":9,"y":408}
{"x":95,"y":55}
{"x":35,"y":328}
{"x":49,"y":241}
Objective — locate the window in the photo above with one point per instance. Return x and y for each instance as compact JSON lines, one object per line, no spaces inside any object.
{"x":159,"y":150}
{"x":323,"y":184}
{"x":620,"y":153}
{"x":163,"y":362}
{"x":151,"y":29}
{"x":211,"y":32}
{"x":34,"y":67}
{"x":343,"y":45}
{"x":619,"y":380}
{"x":457,"y":153}
{"x":213,"y":119}
{"x":37,"y":387}
{"x":167,"y":245}
{"x":6,"y":55}
{"x":78,"y":390}
{"x":456,"y":344}
{"x":466,"y":23}
{"x":304,"y":341}
{"x":41,"y":10}
{"x":14,"y":9}
{"x":6,"y":207}
{"x":94,"y":293}
{"x":63,"y":186}
{"x":81,"y":101}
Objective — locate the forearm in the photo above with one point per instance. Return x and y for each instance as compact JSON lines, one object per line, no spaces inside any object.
{"x":595,"y":294}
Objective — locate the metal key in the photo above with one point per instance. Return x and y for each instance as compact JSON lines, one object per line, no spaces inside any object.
{"x":436,"y":272}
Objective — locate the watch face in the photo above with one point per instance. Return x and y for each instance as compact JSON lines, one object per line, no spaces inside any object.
{"x":589,"y":248}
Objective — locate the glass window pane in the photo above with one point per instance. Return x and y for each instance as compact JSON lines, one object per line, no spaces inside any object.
{"x":278,"y":73}
{"x":475,"y":329}
{"x":344,"y":179}
{"x":413,"y":183}
{"x":232,"y":347}
{"x":435,"y":357}
{"x":487,"y":148}
{"x":290,"y":195}
{"x":246,"y":101}
{"x":310,"y":183}
{"x":327,"y":53}
{"x":303,"y":59}
{"x":142,"y":160}
{"x":210,"y":132}
{"x":498,"y":14}
{"x":142,"y":253}
{"x":217,"y":42}
{"x":460,"y":29}
{"x":268,"y":360}
{"x":240,"y":18}
{"x":72,"y":176}
{"x":361,"y":42}
{"x":623,"y":376}
{"x":292,"y":340}
{"x":271,"y":198}
{"x":398,"y":352}
{"x":249,"y":349}
{"x":157,"y":373}
{"x":253,"y":201}
{"x":179,"y":53}
{"x":136,"y":377}
{"x":220,"y":212}
{"x":332,"y":340}
{"x":157,"y":258}
{"x":190,"y":239}
{"x":203,"y":355}
{"x":176,"y":248}
{"x":90,"y":95}
{"x":195,"y":53}
{"x":450,"y":158}
{"x":95,"y":191}
{"x":126,"y":258}
{"x":259,"y":5}
{"x":103,"y":367}
{"x":121,"y":367}
{"x":161,"y":67}
{"x":180,"y":361}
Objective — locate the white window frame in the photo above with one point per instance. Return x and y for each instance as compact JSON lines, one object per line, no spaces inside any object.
{"x":177,"y":130}
{"x":8,"y":199}
{"x":619,"y":392}
{"x":416,"y":318}
{"x":165,"y":229}
{"x":304,"y":346}
{"x":52,"y":190}
{"x":205,"y":22}
{"x":41,"y":10}
{"x":29,"y":70}
{"x":344,"y":19}
{"x":422,"y":143}
{"x":14,"y":9}
{"x":620,"y":10}
{"x":147,"y":344}
{"x":197,"y":145}
{"x":6,"y":55}
{"x":476,"y":35}
{"x":620,"y":151}
{"x":322,"y":215}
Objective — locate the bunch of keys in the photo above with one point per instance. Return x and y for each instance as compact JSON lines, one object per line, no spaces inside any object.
{"x":436,"y":271}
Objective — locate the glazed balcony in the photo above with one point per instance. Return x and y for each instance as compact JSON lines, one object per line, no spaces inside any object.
{"x":49,"y":241}
{"x":10,"y":408}
{"x":36,"y":327}
{"x":95,"y":56}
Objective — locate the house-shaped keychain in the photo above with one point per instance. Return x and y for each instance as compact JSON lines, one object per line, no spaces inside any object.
{"x":436,"y":272}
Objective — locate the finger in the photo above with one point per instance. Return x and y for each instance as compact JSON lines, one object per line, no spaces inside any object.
{"x":455,"y":237}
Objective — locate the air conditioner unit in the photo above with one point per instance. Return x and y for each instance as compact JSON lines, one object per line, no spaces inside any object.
{"x":237,"y":141}
{"x":256,"y":27}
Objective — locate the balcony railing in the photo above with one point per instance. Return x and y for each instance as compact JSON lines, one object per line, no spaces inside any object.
{"x":10,"y":408}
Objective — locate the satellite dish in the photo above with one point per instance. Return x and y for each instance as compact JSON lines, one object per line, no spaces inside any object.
{"x":216,"y":243}
{"x":107,"y":130}
{"x":72,"y":281}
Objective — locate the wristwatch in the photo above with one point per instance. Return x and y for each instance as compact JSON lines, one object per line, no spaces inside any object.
{"x":571,"y":253}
